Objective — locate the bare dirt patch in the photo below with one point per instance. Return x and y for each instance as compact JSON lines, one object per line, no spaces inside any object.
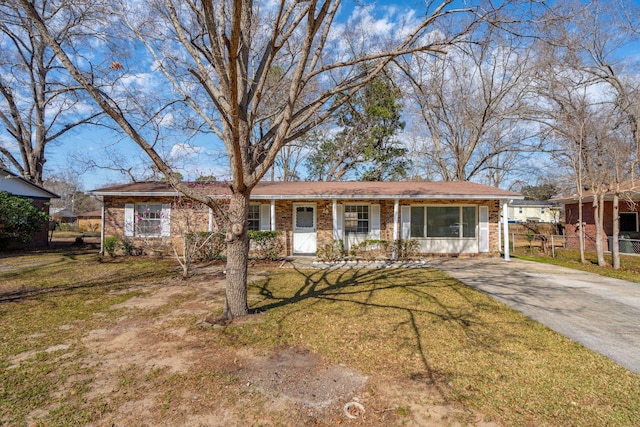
{"x":155,"y":364}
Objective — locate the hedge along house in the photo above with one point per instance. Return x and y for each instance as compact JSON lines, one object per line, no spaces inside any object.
{"x":40,"y":197}
{"x":450,"y":218}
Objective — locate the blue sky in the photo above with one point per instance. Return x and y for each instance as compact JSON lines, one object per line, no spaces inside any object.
{"x":207,"y":159}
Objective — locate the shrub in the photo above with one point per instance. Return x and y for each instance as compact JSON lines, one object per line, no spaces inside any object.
{"x":267,"y":244}
{"x":406,"y":249}
{"x":19,"y":219}
{"x":332,"y":251}
{"x":127,"y":247}
{"x":111,"y":245}
{"x":370,"y":249}
{"x":208,"y":245}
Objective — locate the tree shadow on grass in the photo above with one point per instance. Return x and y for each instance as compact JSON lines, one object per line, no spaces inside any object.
{"x":426,"y":300}
{"x":85,"y":281}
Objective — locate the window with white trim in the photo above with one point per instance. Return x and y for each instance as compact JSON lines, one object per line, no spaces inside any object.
{"x":148,"y":221}
{"x":254,"y":218}
{"x":443,"y":221}
{"x":356,"y":218}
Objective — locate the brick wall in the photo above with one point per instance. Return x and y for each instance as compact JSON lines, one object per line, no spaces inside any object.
{"x":114,"y":218}
{"x":571,"y":222}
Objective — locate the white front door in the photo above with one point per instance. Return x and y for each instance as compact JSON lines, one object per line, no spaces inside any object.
{"x":304,"y":229}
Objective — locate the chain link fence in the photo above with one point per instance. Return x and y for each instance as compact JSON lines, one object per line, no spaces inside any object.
{"x":547,"y":244}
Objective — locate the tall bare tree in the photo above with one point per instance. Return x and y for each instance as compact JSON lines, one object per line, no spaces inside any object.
{"x":469,"y":106}
{"x":584,"y":44}
{"x":217,"y":56}
{"x":39,"y":104}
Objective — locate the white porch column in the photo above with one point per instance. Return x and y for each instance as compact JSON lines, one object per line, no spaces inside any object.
{"x":505,"y":220}
{"x":210,"y":229}
{"x":334,"y":212}
{"x":396,"y":212}
{"x":273,"y":215}
{"x":499,"y":236}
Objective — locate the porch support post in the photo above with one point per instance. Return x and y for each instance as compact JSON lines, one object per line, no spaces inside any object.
{"x":499,"y":236}
{"x":273,"y":215}
{"x":505,"y":221}
{"x":334,"y":212}
{"x":210,"y":229}
{"x":396,"y":211}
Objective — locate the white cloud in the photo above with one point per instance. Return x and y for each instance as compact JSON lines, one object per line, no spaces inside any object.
{"x":180,"y":151}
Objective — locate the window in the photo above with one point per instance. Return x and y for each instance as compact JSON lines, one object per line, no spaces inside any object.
{"x":519,"y":210}
{"x":356,"y":218}
{"x":254,"y":218}
{"x":304,"y":217}
{"x":148,"y":221}
{"x":443,"y":221}
{"x":628,"y":222}
{"x":417,"y":221}
{"x":542,"y":211}
{"x":469,"y":221}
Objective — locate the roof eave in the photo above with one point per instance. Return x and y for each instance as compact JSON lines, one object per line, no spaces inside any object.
{"x":322,"y":196}
{"x":382,"y":197}
{"x":135,"y":194}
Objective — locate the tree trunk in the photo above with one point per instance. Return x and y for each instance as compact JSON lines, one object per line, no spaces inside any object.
{"x":615,"y":245}
{"x":237,"y":257}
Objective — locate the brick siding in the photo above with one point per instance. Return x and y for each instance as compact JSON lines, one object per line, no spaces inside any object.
{"x":114,"y":218}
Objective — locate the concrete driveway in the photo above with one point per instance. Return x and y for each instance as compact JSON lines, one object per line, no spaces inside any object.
{"x":600,"y":313}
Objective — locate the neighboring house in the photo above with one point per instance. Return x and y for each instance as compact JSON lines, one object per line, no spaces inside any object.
{"x":90,"y":221}
{"x":534,"y":211}
{"x":444,"y":217}
{"x":40,"y":197}
{"x":628,"y":211}
{"x":63,"y":216}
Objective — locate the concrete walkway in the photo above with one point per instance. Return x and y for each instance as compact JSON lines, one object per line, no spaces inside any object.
{"x":601,"y":313}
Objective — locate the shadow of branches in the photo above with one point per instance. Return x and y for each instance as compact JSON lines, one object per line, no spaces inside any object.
{"x":418,"y":297}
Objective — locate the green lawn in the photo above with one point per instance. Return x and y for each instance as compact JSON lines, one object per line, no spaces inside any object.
{"x":629,"y":264}
{"x":407,"y":329}
{"x":420,"y":323}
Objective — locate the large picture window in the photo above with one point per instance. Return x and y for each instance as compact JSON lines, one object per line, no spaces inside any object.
{"x":356,"y":218}
{"x":443,"y":221}
{"x":148,"y":219}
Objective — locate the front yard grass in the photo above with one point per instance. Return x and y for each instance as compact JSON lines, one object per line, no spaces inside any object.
{"x":629,"y":264}
{"x":422,"y":324}
{"x":398,"y":326}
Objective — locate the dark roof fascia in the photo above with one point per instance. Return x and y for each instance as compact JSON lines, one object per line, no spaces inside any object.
{"x":18,"y":177}
{"x":624,"y":196}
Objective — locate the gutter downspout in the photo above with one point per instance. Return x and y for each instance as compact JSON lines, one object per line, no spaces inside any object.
{"x":505,"y":220}
{"x":396,"y":209}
